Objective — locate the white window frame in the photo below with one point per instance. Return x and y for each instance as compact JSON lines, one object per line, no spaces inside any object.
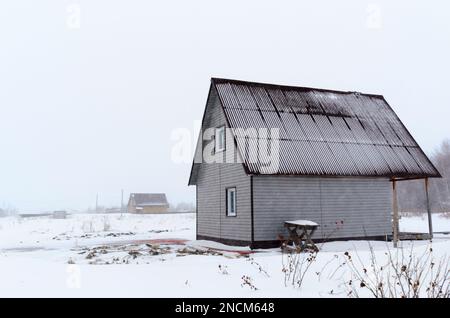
{"x":231,"y":206}
{"x":218,"y":141}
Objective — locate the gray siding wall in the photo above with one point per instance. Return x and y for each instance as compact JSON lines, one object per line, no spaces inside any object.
{"x":344,"y":207}
{"x":212,"y":181}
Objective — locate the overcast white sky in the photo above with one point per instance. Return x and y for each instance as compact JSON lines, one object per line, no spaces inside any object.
{"x":91,"y":109}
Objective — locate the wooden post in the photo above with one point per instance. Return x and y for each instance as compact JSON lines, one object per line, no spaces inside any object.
{"x":430,"y":222}
{"x":395,"y":213}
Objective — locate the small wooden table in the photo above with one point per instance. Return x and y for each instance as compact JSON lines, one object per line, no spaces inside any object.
{"x":300,"y":233}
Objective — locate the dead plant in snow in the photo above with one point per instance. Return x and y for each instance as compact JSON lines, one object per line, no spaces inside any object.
{"x":223,"y":269}
{"x":399,"y":276}
{"x":106,"y":224}
{"x":297,"y":261}
{"x":248,"y":281}
{"x":296,"y":264}
{"x":259,"y":266}
{"x":87,"y":226}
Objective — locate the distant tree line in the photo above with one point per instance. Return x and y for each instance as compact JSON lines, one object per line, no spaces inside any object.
{"x":182,"y":207}
{"x":7,"y":211}
{"x":411,"y":194}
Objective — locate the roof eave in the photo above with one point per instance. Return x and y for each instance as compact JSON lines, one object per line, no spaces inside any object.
{"x":405,"y":176}
{"x":192,"y":182}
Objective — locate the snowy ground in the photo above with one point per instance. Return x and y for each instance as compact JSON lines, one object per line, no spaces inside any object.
{"x":156,"y":256}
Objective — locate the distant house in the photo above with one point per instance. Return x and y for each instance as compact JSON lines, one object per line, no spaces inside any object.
{"x":60,"y":214}
{"x":148,"y":203}
{"x":336,"y":160}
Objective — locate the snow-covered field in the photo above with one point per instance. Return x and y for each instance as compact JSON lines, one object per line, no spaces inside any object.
{"x":97,"y":255}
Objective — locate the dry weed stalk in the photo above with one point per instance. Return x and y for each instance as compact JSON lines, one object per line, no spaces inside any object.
{"x":400,"y":276}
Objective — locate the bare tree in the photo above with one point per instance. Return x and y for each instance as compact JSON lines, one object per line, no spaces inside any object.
{"x":411,"y":194}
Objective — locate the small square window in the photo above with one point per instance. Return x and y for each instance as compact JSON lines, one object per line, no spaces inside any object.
{"x":220,"y":139}
{"x":231,"y":202}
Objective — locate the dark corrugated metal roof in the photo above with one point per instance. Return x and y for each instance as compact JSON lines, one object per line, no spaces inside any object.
{"x":324,"y":132}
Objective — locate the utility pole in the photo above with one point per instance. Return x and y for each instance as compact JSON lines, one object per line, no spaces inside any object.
{"x":96,"y":204}
{"x":121,"y":205}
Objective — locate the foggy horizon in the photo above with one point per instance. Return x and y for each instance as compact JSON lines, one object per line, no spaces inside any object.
{"x":91,"y":92}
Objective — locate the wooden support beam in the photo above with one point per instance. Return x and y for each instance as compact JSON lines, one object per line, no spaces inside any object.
{"x":430,"y":221}
{"x":395,"y":213}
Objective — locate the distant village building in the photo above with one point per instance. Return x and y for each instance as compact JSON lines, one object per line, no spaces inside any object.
{"x":59,"y":214}
{"x":148,"y":203}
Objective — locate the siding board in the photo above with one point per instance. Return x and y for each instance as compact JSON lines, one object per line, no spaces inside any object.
{"x":212,"y":180}
{"x":344,"y":207}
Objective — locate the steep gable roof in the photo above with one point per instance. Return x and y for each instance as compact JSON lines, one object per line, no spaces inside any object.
{"x":323,"y":132}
